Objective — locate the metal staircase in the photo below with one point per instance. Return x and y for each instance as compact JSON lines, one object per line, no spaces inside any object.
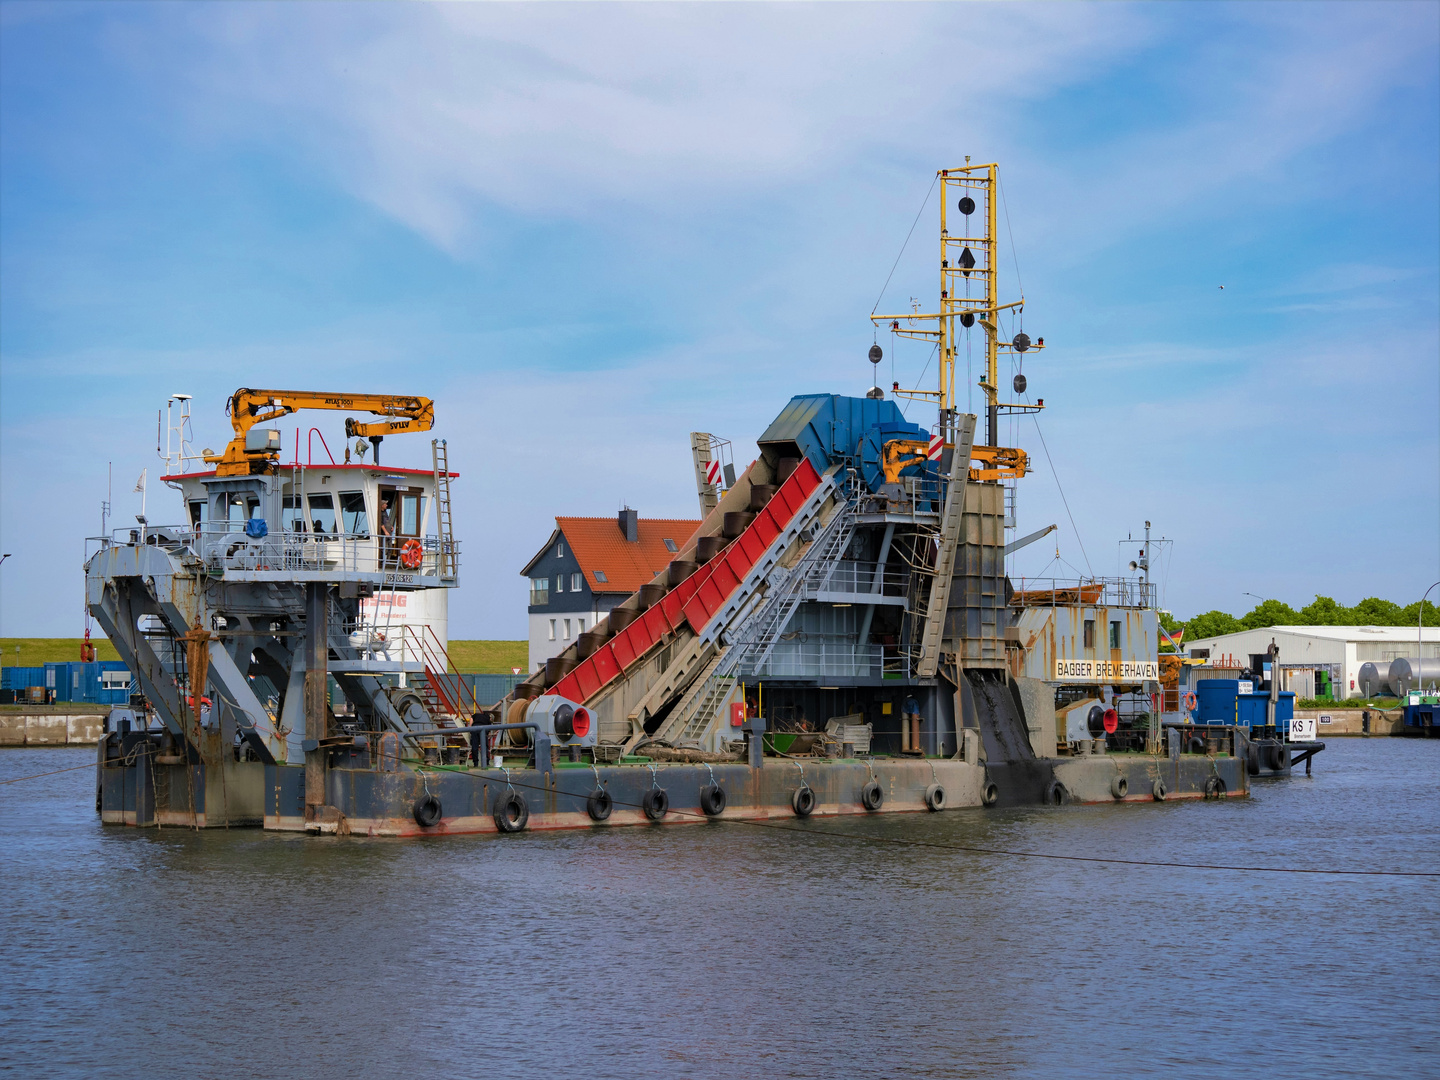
{"x":443,"y":521}
{"x":950,"y":520}
{"x":755,"y":635}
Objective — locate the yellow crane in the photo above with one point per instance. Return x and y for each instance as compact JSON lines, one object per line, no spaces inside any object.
{"x":1004,"y":462}
{"x":245,"y":454}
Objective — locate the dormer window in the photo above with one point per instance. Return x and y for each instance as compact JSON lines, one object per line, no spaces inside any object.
{"x":670,"y":546}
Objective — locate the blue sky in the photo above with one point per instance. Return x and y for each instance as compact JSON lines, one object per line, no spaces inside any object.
{"x":588,"y":230}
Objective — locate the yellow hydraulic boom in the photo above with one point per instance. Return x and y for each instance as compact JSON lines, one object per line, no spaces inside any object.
{"x":245,"y":455}
{"x":1004,"y":462}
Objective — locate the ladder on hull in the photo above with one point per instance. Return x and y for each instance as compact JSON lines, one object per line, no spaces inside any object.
{"x":444,"y":522}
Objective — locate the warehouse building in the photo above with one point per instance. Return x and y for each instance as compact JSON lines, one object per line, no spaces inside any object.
{"x":1312,"y":657}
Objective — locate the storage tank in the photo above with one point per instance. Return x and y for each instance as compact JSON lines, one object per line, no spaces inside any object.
{"x":1408,"y":674}
{"x":1374,"y":679}
{"x":1215,"y":700}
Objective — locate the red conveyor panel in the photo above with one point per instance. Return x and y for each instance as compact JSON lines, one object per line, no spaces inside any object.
{"x":696,"y":599}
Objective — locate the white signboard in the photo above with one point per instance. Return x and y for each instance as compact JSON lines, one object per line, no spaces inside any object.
{"x":1122,"y":671}
{"x":1302,"y":729}
{"x":1246,"y":687}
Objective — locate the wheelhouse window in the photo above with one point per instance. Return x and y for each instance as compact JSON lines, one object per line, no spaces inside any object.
{"x":412,"y":509}
{"x":353,"y":518}
{"x":322,"y":513}
{"x":292,"y":519}
{"x":540,"y":590}
{"x":199,"y":511}
{"x":1114,"y":635}
{"x":1089,"y":633}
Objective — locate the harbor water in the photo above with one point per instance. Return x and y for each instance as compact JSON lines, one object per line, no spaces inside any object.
{"x":832,"y":948}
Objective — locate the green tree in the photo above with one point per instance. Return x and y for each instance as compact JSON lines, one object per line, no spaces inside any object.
{"x":1269,"y":613}
{"x":1411,"y":614}
{"x":1323,"y":611}
{"x":1212,"y":624}
{"x":1372,"y":611}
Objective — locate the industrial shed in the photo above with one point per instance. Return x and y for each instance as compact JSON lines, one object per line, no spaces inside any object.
{"x":1307,"y":651}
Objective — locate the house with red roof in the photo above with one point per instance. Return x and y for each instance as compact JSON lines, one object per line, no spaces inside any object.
{"x":588,"y":566}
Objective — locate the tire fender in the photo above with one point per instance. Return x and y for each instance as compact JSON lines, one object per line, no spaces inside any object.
{"x":872,"y":796}
{"x":1158,"y":790}
{"x":712,"y":800}
{"x":1119,"y":786}
{"x":935,"y":797}
{"x":427,"y":811}
{"x":599,"y":804}
{"x":990,"y":795}
{"x":511,"y":812}
{"x":656,"y":803}
{"x":802,"y":800}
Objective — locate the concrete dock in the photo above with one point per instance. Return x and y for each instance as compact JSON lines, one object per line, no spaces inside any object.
{"x":52,"y":725}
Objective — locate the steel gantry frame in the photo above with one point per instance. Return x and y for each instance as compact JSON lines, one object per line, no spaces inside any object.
{"x":964,"y":258}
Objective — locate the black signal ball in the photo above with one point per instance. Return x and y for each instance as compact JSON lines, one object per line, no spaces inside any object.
{"x":967,"y":318}
{"x":1021,"y":342}
{"x":967,"y":206}
{"x":875,"y":354}
{"x":1020,"y":384}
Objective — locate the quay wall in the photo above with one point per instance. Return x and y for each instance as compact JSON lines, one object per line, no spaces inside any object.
{"x":1347,"y":722}
{"x":54,"y":725}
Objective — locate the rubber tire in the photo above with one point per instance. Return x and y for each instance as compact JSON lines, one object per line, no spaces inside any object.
{"x":935,"y":797}
{"x":427,"y":811}
{"x":803,"y":800}
{"x":1275,"y":755}
{"x":1252,"y":759}
{"x":990,"y":795}
{"x":1055,"y":794}
{"x":712,"y":800}
{"x":599,"y":804}
{"x":1214,"y":788}
{"x":1158,"y":790}
{"x":1196,"y":745}
{"x":872,"y":796}
{"x":1119,"y":787}
{"x":511,"y":812}
{"x":655,"y":803}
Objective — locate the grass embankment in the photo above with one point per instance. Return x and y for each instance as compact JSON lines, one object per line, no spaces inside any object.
{"x":35,"y":651}
{"x":1312,"y":704}
{"x":489,"y":657}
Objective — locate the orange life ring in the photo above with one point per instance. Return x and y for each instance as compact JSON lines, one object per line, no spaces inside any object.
{"x":1189,"y":701}
{"x":411,"y":553}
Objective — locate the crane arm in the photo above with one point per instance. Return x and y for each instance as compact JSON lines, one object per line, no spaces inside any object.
{"x":1000,"y":462}
{"x":248,"y":408}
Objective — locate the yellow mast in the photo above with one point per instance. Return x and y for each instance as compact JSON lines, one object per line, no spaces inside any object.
{"x":970,"y":191}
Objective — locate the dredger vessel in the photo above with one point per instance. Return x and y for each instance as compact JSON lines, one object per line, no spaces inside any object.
{"x":838,"y":637}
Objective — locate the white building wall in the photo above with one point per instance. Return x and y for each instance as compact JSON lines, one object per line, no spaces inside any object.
{"x":1298,"y":646}
{"x":543,"y":647}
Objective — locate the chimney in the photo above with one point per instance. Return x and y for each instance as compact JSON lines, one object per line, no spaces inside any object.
{"x":630,"y":525}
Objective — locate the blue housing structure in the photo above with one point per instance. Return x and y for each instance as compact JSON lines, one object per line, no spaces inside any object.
{"x":831,"y":429}
{"x":1215,"y":700}
{"x":83,"y":682}
{"x":1250,"y":709}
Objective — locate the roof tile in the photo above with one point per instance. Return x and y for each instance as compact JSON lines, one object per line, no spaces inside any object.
{"x":599,"y":544}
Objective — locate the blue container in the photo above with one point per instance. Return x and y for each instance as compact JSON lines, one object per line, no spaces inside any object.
{"x":1215,"y":700}
{"x":19,"y":678}
{"x":1252,"y":709}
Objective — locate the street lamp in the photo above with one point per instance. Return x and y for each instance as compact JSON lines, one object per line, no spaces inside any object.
{"x":1420,"y":636}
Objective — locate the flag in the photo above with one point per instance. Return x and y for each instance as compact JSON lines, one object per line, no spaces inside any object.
{"x":140,"y":484}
